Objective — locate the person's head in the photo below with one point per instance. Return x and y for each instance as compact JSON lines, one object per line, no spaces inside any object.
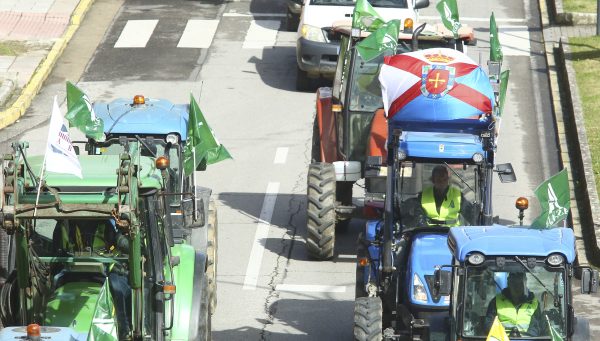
{"x":440,"y":177}
{"x":517,"y":285}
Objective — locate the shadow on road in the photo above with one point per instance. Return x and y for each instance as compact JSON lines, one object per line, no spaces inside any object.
{"x":299,"y":319}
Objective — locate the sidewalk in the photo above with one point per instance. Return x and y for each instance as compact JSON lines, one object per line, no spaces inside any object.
{"x":45,"y":28}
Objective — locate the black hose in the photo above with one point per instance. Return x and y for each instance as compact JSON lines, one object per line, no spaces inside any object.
{"x":9,"y":301}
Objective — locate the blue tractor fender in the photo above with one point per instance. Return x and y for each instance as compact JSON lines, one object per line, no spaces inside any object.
{"x":427,"y":250}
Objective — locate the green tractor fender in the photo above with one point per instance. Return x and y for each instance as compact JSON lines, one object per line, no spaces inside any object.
{"x":191,"y":314}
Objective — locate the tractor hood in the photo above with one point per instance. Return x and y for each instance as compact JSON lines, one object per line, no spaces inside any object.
{"x":86,"y":307}
{"x":155,"y":117}
{"x":427,"y":251}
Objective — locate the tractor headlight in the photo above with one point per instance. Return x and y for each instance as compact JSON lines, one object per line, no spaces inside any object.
{"x":476,"y":258}
{"x":419,"y":293}
{"x":312,"y":33}
{"x":477,"y":157}
{"x":555,"y":259}
{"x":172,"y":138}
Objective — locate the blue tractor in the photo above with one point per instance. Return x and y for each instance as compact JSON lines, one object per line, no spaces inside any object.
{"x":159,"y":129}
{"x":482,"y":260}
{"x":397,"y":252}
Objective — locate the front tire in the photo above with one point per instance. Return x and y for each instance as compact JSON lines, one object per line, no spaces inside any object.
{"x":368,"y":315}
{"x":320,"y":234}
{"x":204,"y":325}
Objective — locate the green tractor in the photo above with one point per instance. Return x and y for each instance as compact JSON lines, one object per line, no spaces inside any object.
{"x":93,"y":258}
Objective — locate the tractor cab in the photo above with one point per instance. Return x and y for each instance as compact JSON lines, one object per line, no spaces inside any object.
{"x":495,"y":266}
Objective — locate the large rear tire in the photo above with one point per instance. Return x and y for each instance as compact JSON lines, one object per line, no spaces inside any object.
{"x":211,"y":252}
{"x":368,"y":315}
{"x":320,"y":234}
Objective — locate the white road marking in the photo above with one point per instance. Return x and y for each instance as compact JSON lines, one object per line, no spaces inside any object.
{"x":198,"y":34}
{"x":514,"y":40}
{"x":471,"y":19}
{"x":261,"y":34}
{"x":310,"y":288}
{"x":346,"y":257}
{"x":262,"y":233}
{"x":136,"y":33}
{"x":280,"y":155}
{"x":254,"y":15}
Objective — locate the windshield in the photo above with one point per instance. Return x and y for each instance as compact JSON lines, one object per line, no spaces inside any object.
{"x":494,"y":291}
{"x":374,"y":3}
{"x":415,"y":188}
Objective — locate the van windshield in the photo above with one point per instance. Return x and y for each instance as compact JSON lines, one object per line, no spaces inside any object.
{"x":374,"y":3}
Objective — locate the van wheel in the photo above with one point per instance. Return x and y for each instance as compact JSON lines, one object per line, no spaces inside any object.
{"x":303,"y":82}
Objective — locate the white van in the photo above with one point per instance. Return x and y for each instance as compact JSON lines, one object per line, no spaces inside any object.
{"x":317,"y":44}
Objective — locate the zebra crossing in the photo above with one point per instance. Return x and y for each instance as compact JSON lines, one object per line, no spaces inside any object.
{"x":200,"y":33}
{"x":262,"y":33}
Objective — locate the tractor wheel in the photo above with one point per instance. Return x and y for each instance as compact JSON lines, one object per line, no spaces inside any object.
{"x":303,"y":82}
{"x":211,"y":252}
{"x":368,"y":313}
{"x":320,"y":234}
{"x":361,"y":252}
{"x":315,"y":152}
{"x":292,"y":21}
{"x":204,"y":325}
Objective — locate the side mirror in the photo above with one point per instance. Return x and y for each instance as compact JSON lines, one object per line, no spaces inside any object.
{"x":421,"y":4}
{"x":589,"y":281}
{"x":442,"y":283}
{"x":506,"y":173}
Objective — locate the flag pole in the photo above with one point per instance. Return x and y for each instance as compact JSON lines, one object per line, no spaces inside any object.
{"x":37,"y":197}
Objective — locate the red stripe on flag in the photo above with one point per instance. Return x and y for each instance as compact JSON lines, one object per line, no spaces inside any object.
{"x":462,"y":69}
{"x":472,"y":97}
{"x":410,"y":94}
{"x":406,"y":63}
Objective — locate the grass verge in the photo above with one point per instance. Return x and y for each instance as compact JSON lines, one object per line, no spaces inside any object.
{"x":12,"y":48}
{"x":582,"y":6}
{"x":586,"y":62}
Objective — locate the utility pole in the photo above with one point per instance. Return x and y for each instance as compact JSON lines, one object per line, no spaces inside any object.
{"x":598,"y":18}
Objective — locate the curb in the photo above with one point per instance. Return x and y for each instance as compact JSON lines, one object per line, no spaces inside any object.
{"x":20,"y":106}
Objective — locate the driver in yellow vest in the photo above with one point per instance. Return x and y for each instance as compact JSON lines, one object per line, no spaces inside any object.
{"x":517,"y":309}
{"x":441,"y":203}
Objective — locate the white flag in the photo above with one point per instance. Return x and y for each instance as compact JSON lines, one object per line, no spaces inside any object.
{"x":60,"y":154}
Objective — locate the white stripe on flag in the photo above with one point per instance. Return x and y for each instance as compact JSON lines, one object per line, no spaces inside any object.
{"x":394,"y":83}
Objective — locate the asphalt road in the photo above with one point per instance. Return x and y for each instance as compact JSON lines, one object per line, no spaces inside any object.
{"x":244,"y":77}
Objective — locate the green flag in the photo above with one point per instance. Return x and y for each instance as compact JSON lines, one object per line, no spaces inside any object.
{"x":80,"y":114}
{"x":449,"y":11}
{"x":104,"y":324}
{"x":495,"y":47}
{"x":503,"y":88}
{"x":385,"y":38}
{"x":201,"y":144}
{"x":365,"y":17}
{"x":555,"y":199}
{"x":554,"y":334}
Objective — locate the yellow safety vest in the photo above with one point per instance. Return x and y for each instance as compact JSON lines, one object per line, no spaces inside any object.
{"x":78,"y":244}
{"x":510,"y":317}
{"x":449,"y":211}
